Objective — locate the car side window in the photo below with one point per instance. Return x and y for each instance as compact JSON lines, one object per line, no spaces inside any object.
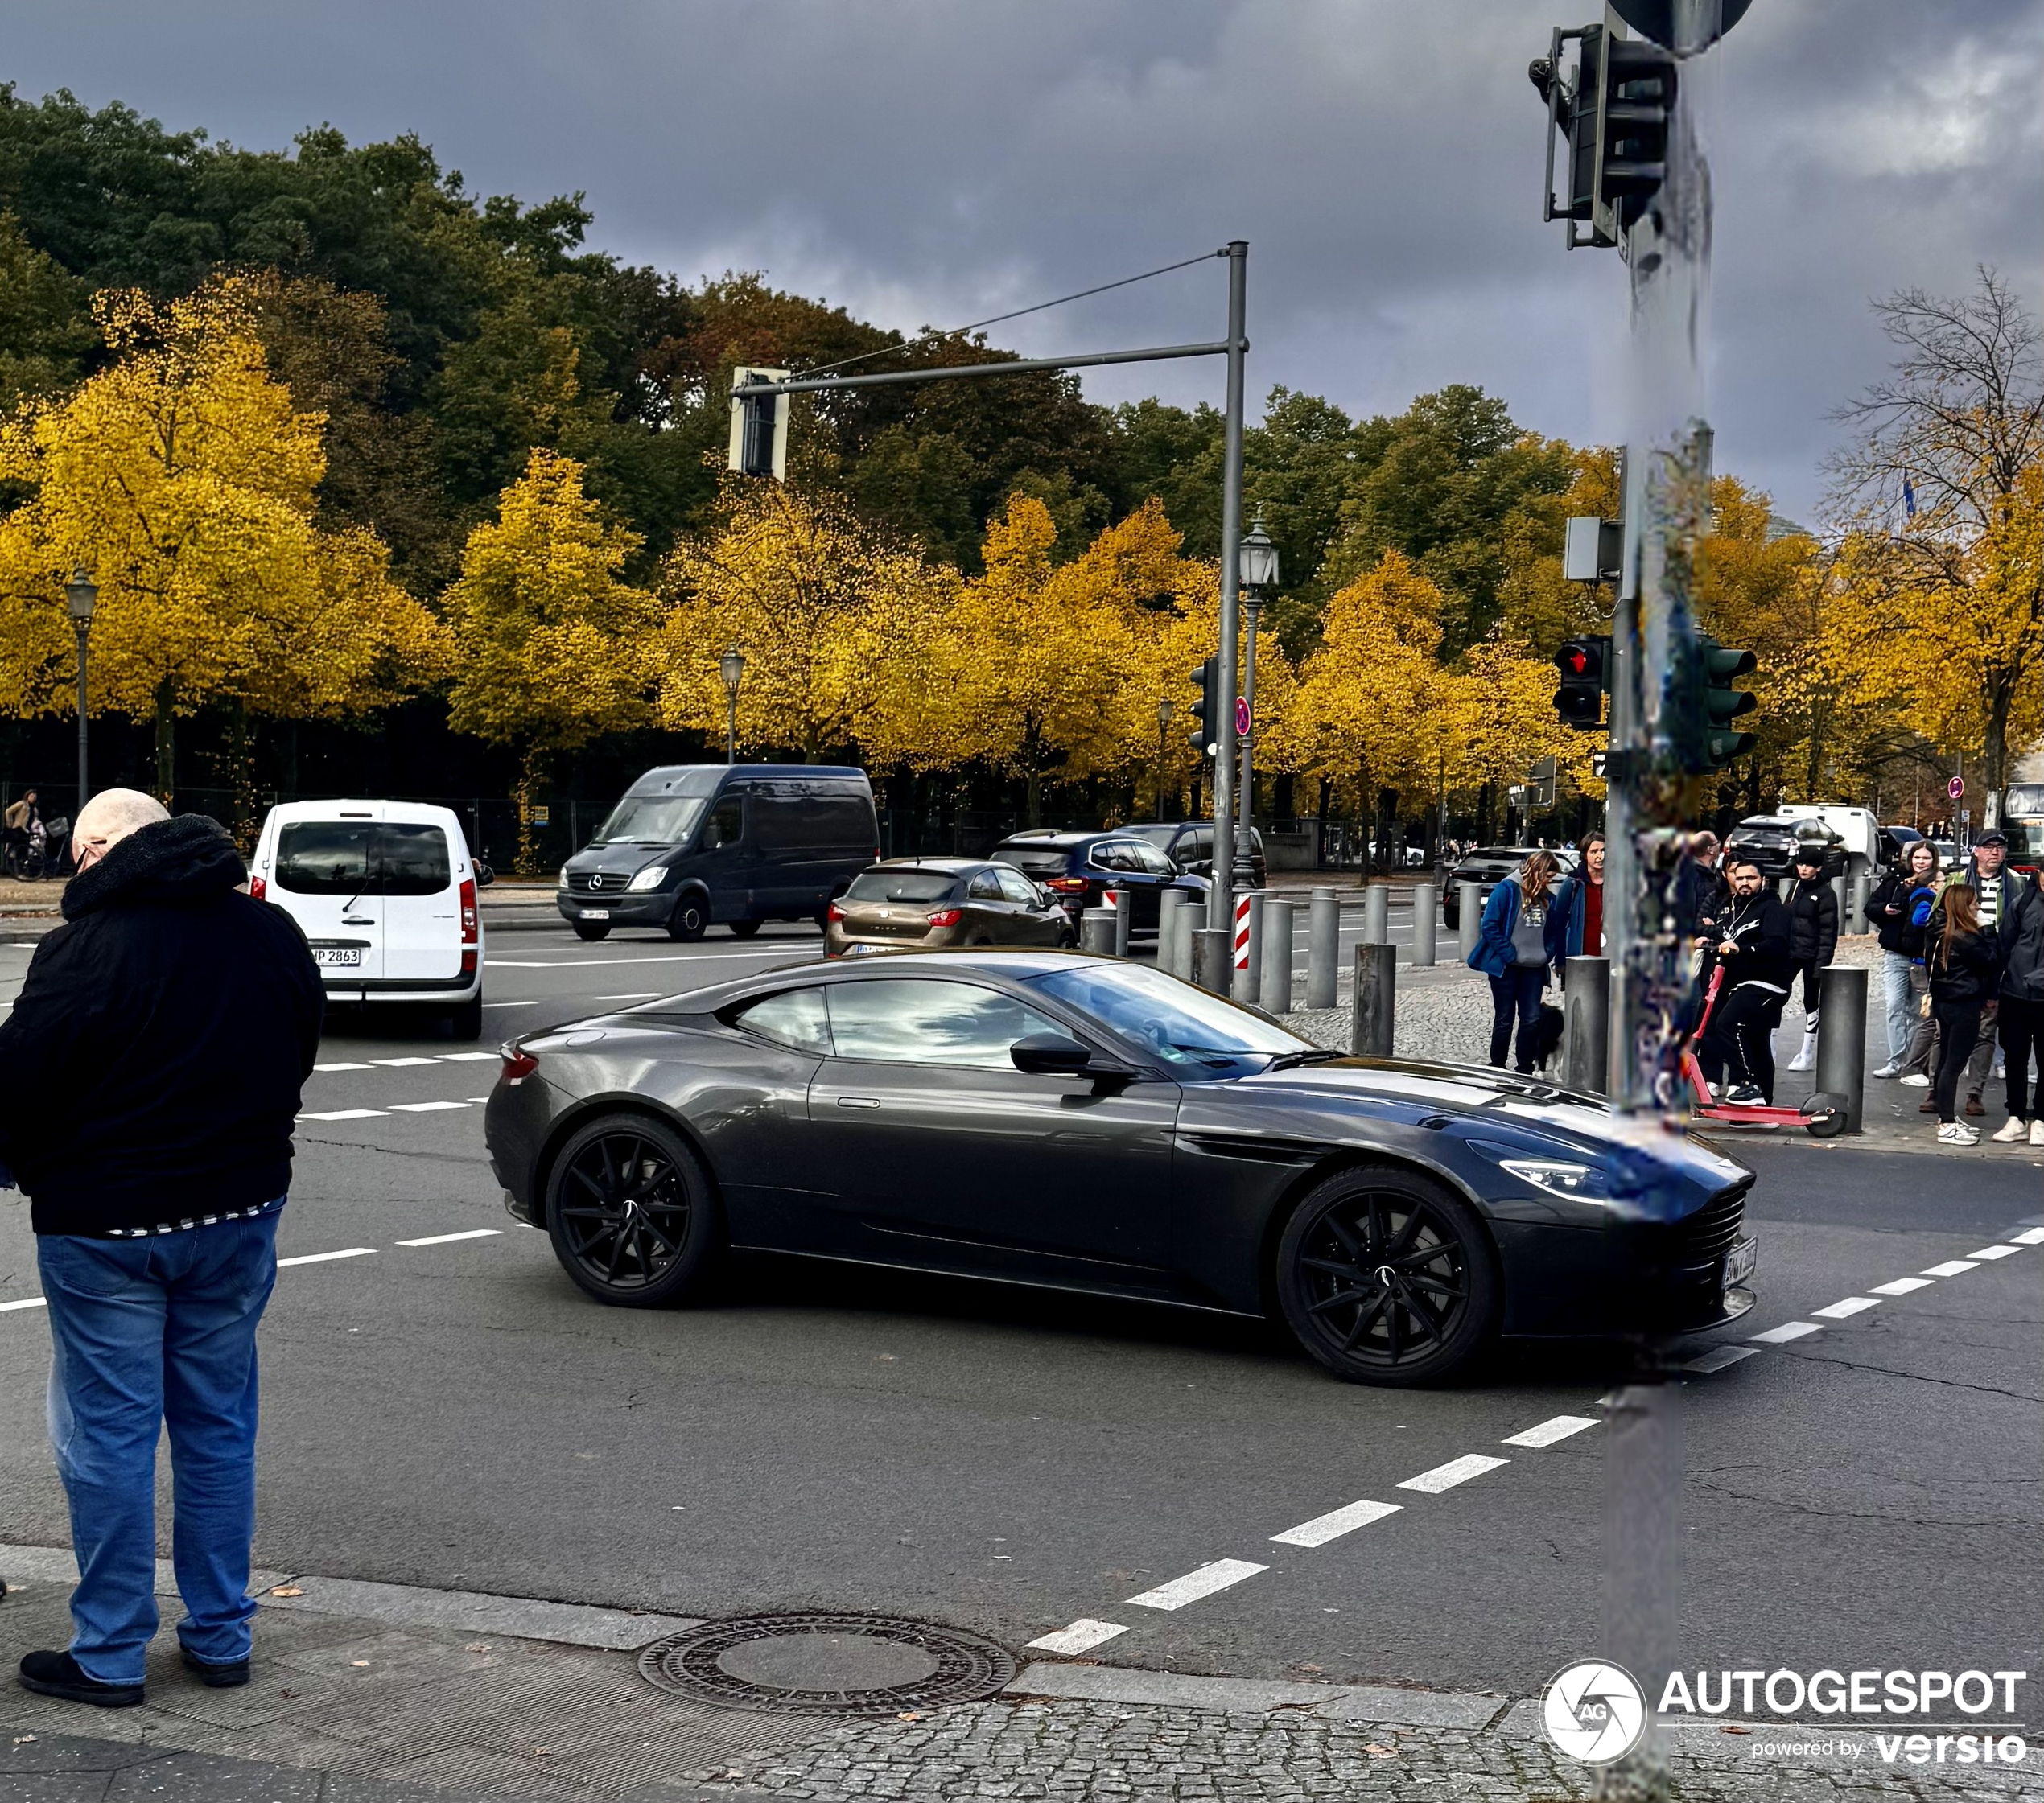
{"x":1194,"y":846}
{"x":726,"y":823}
{"x":1116,"y":855}
{"x":1019,"y":889}
{"x":985,"y":885}
{"x":795,"y":1018}
{"x":926,"y":1020}
{"x":1150,"y":861}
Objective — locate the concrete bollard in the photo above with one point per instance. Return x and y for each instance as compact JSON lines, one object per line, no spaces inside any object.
{"x":1842,"y":1038}
{"x":1469,"y":917}
{"x":1213,"y":957}
{"x":1178,"y":912}
{"x":1862,"y":886}
{"x":1274,"y":989}
{"x":1376,"y":915}
{"x":1426,"y":918}
{"x":1249,"y":950}
{"x":1097,"y":931}
{"x":1842,"y":896}
{"x":1323,"y":949}
{"x":1586,"y":1026}
{"x":1123,"y":904}
{"x":1375,"y":1000}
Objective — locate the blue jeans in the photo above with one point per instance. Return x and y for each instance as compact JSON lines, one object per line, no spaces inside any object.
{"x":149,"y":1335}
{"x":1517,"y":992}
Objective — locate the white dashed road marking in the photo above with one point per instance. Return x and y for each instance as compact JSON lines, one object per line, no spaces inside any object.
{"x":1841,"y":1311}
{"x":1548,"y":1432}
{"x":1219,"y":1576}
{"x":1994,"y":1252}
{"x":325,"y":1257}
{"x":1786,"y":1332}
{"x":1718,"y":1357}
{"x":467,"y":1057}
{"x":1455,"y":1471}
{"x":1901,"y":1286}
{"x":1083,"y":1635}
{"x":448,"y":1239}
{"x":30,"y":1302}
{"x":1332,"y":1525}
{"x":344,"y":1066}
{"x":2029,"y":1236}
{"x":1952,"y":1267}
{"x":346,"y":1114}
{"x":400,"y":1064}
{"x":425,"y":1108}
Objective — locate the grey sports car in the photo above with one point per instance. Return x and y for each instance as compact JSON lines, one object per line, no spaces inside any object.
{"x":1052,"y":1118}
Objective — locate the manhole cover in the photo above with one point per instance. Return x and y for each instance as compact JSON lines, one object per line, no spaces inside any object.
{"x":827,"y":1665}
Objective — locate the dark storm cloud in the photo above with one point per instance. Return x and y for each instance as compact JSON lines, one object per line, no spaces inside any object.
{"x":927,"y":162}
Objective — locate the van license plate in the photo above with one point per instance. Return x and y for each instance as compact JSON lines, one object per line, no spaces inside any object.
{"x":595,"y":914}
{"x":337,"y":954}
{"x":1740,"y":1260}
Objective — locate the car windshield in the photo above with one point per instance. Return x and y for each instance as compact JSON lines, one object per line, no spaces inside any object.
{"x":651,"y":820}
{"x":1198,"y":1034}
{"x":902,"y":886}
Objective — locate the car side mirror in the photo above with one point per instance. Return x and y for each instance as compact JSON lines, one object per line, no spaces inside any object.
{"x":485,"y":875}
{"x":1049,"y":1055}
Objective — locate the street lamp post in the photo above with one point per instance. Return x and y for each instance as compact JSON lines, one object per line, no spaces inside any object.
{"x":1164,"y":728}
{"x":731,"y":668}
{"x":1259,"y":575}
{"x":81,"y":595}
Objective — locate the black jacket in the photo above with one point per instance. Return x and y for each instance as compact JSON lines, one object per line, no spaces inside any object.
{"x":1813,"y":922}
{"x":1894,"y":907}
{"x":1759,"y":925}
{"x":2022,"y":946}
{"x":1966,"y":977}
{"x":149,"y":1071}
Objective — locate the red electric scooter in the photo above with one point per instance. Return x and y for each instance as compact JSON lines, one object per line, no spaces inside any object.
{"x":1823,"y":1114}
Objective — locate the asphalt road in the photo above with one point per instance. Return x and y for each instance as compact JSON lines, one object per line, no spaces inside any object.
{"x":454,"y":1413}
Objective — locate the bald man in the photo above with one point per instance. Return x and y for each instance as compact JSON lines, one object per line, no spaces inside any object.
{"x":149,"y":1079}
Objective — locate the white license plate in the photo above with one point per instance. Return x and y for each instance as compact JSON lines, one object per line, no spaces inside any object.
{"x":859,"y":951}
{"x":595,"y":914}
{"x":337,"y":955}
{"x":1740,"y":1260}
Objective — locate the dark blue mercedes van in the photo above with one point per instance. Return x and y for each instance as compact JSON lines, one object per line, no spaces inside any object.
{"x":691,"y":844}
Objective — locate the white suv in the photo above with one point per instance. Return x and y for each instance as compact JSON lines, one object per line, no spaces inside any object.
{"x":384,"y":892}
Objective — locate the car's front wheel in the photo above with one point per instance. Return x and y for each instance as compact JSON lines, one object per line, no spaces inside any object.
{"x":1386,"y":1277}
{"x":592,"y":929}
{"x":631,"y":1215}
{"x":744,"y":929}
{"x":690,"y":918}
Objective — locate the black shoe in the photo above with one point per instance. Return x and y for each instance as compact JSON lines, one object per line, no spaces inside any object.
{"x":58,"y":1674}
{"x":217,"y":1677}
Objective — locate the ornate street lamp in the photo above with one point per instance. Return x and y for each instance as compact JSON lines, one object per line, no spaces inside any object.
{"x":1257,"y":572}
{"x":81,"y":595}
{"x":731,"y":668}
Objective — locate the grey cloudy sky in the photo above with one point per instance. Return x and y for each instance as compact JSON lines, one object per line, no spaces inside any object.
{"x":928,"y":162}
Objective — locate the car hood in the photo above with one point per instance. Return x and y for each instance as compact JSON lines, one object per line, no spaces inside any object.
{"x":617,"y":860}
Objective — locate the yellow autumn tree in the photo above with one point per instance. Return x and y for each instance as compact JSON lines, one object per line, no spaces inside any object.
{"x":181,"y":476}
{"x":553,"y":642}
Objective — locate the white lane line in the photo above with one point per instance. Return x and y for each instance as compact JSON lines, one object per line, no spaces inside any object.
{"x":346,"y":1114}
{"x":1335,"y":1523}
{"x":531,"y":1004}
{"x":1455,"y":1471}
{"x":1852,"y":1305}
{"x":425,"y":1108}
{"x":1718,"y":1357}
{"x":674,"y":957}
{"x":479,"y":1100}
{"x":1994,"y":1252}
{"x":1952,"y":1267}
{"x":466,"y":1057}
{"x":1194,"y":1585}
{"x":344,"y":1066}
{"x":1901,"y":1286}
{"x":32,"y":1301}
{"x":636,"y":995}
{"x":1082,"y":1636}
{"x":1786,"y":1332}
{"x":448,"y":1239}
{"x":400,"y":1064}
{"x":2029,"y":1236}
{"x":322,"y":1258}
{"x":1548,"y":1432}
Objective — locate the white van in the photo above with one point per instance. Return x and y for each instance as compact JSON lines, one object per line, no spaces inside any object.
{"x":384,"y":892}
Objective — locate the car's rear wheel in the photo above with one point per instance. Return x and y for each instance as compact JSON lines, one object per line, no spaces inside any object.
{"x":630,"y":1212}
{"x":1386,"y":1277}
{"x":690,"y":918}
{"x":466,"y":1017}
{"x":592,"y":929}
{"x":744,"y":929}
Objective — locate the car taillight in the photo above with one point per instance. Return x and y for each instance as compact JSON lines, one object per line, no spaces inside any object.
{"x":837,"y":913}
{"x":518,"y":1065}
{"x":467,"y":917}
{"x":947,"y":916}
{"x":1066,"y":885}
{"x":257,"y":887}
{"x":469,"y":960}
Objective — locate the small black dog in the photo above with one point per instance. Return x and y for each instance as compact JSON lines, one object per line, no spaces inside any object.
{"x":1546,"y":1036}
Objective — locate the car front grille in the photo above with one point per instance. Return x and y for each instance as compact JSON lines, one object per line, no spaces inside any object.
{"x":1705,"y":1237}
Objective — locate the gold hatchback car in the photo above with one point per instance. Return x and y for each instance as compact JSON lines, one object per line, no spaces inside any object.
{"x":921,"y":904}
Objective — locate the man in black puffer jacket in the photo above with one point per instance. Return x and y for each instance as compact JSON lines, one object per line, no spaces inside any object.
{"x":1752,"y":951}
{"x":1813,"y":941}
{"x":149,"y":1079}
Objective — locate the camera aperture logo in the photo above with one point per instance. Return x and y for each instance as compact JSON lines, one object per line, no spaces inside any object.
{"x":1594,"y":1711}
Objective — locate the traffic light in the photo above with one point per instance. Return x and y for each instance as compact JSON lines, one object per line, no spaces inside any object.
{"x":1206,"y":711}
{"x":1615,"y":118}
{"x":1723,"y":704}
{"x":1585,"y":667}
{"x":759,"y":424}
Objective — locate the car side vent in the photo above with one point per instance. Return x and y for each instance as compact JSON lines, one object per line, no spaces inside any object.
{"x":1434,"y":1123}
{"x":1256,"y":1151}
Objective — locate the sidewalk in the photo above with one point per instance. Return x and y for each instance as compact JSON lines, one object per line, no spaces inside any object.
{"x":384,"y":1693}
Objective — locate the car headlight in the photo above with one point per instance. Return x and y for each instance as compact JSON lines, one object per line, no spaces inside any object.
{"x":1569,"y":1178}
{"x":650,"y":878}
{"x":564,"y":877}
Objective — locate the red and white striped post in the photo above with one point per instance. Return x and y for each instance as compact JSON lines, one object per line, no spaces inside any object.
{"x":1249,"y":946}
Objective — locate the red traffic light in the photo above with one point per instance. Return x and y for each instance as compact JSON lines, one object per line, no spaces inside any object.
{"x":1577,"y":660}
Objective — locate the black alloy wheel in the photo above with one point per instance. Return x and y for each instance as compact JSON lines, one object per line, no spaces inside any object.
{"x":1385,"y":1278}
{"x":592,"y":929}
{"x":690,"y":918}
{"x":629,"y":1210}
{"x":744,"y":929}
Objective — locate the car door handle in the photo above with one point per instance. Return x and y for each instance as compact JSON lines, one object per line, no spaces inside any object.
{"x":358,"y":919}
{"x":858,"y":1102}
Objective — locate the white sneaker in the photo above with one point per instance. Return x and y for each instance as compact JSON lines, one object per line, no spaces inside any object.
{"x":2037,"y":1131}
{"x":2014,"y":1131}
{"x":1805,"y":1055}
{"x":1957,"y":1132}
{"x":1891,"y":1068}
{"x":1916,"y":1080}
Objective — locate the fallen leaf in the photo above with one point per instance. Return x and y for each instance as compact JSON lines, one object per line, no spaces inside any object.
{"x":287,"y":1590}
{"x":23,"y":1739}
{"x":358,"y":1661}
{"x":1377,"y":1753}
{"x":542,"y":1752}
{"x":287,"y":1693}
{"x":476,"y":1646}
{"x":1730,"y":1728}
{"x":884,"y":1358}
{"x":1306,"y":1668}
{"x":909,"y":1715}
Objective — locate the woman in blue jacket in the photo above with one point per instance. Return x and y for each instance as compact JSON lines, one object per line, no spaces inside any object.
{"x":1514,"y":950}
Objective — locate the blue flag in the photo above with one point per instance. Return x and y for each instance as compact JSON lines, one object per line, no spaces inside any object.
{"x":1909,"y":496}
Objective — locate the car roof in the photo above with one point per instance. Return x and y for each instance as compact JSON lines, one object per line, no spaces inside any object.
{"x":954,"y":865}
{"x":409,"y":814}
{"x":1061,"y":838}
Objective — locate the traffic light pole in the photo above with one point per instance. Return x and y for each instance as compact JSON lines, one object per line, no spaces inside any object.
{"x":1221,"y":892}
